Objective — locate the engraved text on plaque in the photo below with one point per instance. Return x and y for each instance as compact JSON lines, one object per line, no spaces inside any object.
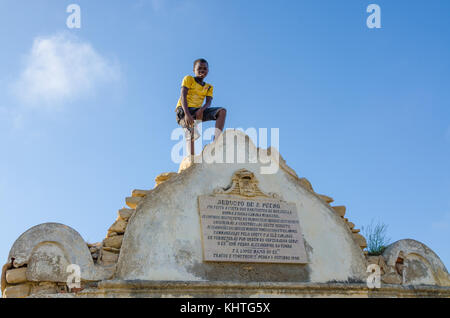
{"x":237,"y":229}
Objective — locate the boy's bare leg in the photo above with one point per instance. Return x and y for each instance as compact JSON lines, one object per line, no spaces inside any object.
{"x":192,"y":150}
{"x":220,"y":123}
{"x":190,"y":146}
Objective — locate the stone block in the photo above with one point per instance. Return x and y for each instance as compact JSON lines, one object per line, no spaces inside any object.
{"x":305,"y":182}
{"x":132,"y":202}
{"x":16,"y":276}
{"x":164,"y":177}
{"x":3,"y":277}
{"x":340,"y":210}
{"x":112,"y":249}
{"x":113,"y":241}
{"x":140,"y":193}
{"x":110,"y":233}
{"x":44,"y":288}
{"x":17,"y":291}
{"x":119,"y":226}
{"x":360,"y":240}
{"x":325,"y":198}
{"x":125,"y":214}
{"x":109,"y":257}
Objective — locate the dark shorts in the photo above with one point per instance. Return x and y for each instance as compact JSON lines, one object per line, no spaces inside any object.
{"x":209,"y":113}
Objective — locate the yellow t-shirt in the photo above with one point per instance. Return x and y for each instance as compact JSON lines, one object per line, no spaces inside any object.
{"x":196,"y":93}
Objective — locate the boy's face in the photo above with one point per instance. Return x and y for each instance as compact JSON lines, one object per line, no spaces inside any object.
{"x":201,"y":70}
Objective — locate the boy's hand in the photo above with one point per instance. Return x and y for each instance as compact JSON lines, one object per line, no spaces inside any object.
{"x":189,"y":120}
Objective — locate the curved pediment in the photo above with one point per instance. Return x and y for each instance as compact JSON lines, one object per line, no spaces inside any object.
{"x":163,"y":240}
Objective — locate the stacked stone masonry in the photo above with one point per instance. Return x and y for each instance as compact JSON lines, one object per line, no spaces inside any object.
{"x":340,"y":211}
{"x":108,"y":251}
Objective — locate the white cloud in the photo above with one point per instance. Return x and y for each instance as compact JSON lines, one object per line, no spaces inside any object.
{"x":61,"y":68}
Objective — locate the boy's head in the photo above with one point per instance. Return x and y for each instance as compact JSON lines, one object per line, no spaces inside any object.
{"x":201,"y":68}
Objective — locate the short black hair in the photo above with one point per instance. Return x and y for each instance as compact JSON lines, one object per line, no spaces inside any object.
{"x":200,"y":61}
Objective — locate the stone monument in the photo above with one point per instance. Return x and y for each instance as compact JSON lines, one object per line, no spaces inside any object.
{"x":217,"y":229}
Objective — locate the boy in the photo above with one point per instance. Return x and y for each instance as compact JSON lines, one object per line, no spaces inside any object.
{"x":189,"y":107}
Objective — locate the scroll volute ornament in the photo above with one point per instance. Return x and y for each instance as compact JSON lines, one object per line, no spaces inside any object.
{"x":245,"y":184}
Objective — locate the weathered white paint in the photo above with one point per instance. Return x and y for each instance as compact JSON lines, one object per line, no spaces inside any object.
{"x":163,"y":238}
{"x":422,"y":265}
{"x":48,"y":263}
{"x":46,"y":247}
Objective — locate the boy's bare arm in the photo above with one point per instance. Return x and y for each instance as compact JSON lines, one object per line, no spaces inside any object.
{"x":187,"y":115}
{"x":208,"y":102}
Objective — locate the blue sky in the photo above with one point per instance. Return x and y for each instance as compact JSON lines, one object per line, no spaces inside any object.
{"x":86,"y":114}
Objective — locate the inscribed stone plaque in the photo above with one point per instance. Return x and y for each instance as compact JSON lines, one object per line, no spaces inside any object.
{"x":260,"y":230}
